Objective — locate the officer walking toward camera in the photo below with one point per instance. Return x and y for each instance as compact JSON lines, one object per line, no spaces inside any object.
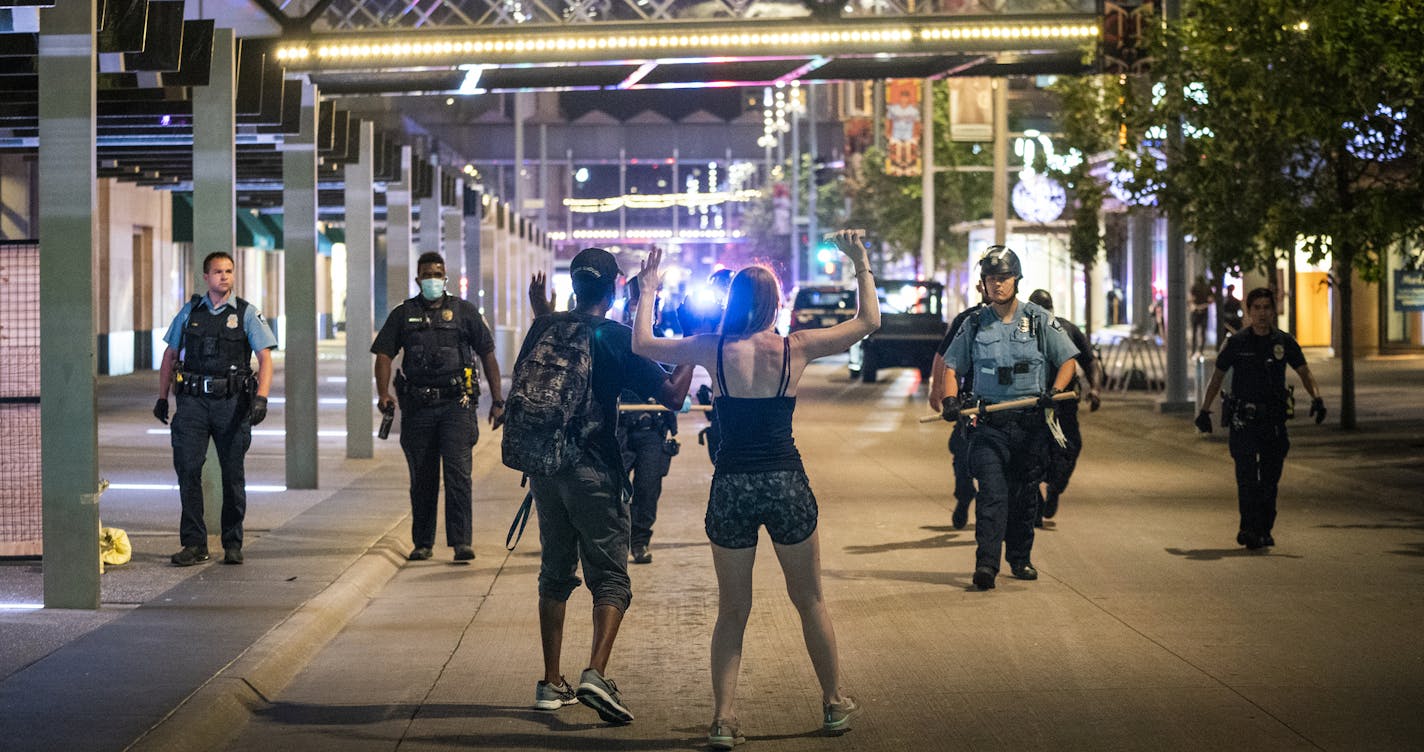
{"x":959,"y":435}
{"x":1065,"y":458}
{"x":1015,"y":350}
{"x":437,"y":387}
{"x":1256,"y":411}
{"x":208,"y":365}
{"x":645,"y":436}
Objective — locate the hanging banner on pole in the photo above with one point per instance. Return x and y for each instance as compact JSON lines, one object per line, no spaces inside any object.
{"x":902,"y":125}
{"x":971,"y":109}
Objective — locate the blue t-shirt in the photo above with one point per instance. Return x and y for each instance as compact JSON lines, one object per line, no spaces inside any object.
{"x":259,"y":335}
{"x":1010,"y":360}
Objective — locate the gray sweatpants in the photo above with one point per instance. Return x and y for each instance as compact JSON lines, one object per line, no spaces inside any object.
{"x":583,"y":518}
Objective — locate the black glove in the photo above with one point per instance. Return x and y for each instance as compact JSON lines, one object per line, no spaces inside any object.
{"x":950,"y":407}
{"x":1046,"y":400}
{"x":160,"y":410}
{"x":1317,"y":409}
{"x":1203,"y":421}
{"x":1094,"y":401}
{"x":704,"y":395}
{"x":258,"y":412}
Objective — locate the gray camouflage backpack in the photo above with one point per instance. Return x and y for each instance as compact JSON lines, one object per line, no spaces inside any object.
{"x":550,"y":412}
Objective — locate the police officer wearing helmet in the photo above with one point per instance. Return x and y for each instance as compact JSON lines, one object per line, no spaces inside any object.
{"x":439,"y":337}
{"x":208,"y":365}
{"x":1065,"y":458}
{"x":648,"y":449}
{"x":1015,"y":350}
{"x":1257,"y":409}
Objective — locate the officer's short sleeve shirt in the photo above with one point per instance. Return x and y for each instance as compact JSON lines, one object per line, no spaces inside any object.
{"x":474,"y":329}
{"x":1006,"y":359}
{"x":1258,"y":363}
{"x":259,"y":334}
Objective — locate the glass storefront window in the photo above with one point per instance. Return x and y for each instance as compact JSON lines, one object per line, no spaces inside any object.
{"x":1402,"y":328}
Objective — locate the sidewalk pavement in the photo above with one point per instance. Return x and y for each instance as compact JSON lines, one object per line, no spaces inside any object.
{"x":1122,"y":644}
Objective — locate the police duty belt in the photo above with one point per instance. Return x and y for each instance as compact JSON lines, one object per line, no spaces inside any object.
{"x":1049,"y":416}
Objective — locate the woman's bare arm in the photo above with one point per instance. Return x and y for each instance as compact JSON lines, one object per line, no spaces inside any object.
{"x":818,"y":343}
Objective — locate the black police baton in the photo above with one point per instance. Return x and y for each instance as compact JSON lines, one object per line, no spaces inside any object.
{"x":1017,"y":404}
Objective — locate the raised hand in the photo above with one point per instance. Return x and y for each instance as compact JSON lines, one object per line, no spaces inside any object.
{"x":852,"y":244}
{"x":649,"y":278}
{"x":537,"y":302}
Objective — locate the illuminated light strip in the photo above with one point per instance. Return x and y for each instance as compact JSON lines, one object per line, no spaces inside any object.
{"x":648,"y":234}
{"x":649,"y":41}
{"x":20,"y":606}
{"x":658,"y":201}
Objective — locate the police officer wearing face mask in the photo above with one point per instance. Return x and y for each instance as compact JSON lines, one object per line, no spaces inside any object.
{"x":439,"y":336}
{"x":1257,"y":409}
{"x":208,"y":365}
{"x":1015,"y":350}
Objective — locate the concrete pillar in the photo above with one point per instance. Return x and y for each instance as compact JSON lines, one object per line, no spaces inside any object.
{"x":813,"y":225}
{"x":469,"y":213}
{"x":1001,"y":161}
{"x":69,"y":443}
{"x":360,"y":237}
{"x":1177,"y":399}
{"x":215,"y":203}
{"x":430,"y":215}
{"x":795,"y":196}
{"x":452,"y":241}
{"x":299,"y":217}
{"x":398,"y":237}
{"x":927,"y":184}
{"x":1139,"y":234}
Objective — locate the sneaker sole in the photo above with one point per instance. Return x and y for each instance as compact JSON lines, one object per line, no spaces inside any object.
{"x":725,"y":742}
{"x":553,"y":704}
{"x":608,"y":709}
{"x":192,"y":563}
{"x":838,"y":729}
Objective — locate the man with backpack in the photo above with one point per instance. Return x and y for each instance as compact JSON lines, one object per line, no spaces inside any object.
{"x":560,"y":427}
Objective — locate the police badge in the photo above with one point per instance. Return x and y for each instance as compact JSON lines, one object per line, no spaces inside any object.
{"x":232,"y":321}
{"x":1024,"y":325}
{"x":447,"y":314}
{"x":1278,"y":352}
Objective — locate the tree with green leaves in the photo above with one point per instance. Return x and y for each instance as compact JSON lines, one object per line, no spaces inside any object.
{"x":1295,"y":116}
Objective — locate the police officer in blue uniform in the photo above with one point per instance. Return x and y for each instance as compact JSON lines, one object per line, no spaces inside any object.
{"x":438,"y":391}
{"x":208,"y":365}
{"x":1015,"y":350}
{"x":1257,"y":409}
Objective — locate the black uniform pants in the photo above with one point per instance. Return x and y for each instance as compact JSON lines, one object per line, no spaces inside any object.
{"x":1062,"y":460}
{"x":435,"y":435}
{"x":647,"y":459}
{"x":224,"y":421}
{"x":1009,"y":456}
{"x":1260,"y":454}
{"x":959,"y":453}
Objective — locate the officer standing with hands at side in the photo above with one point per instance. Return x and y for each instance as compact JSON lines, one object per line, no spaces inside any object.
{"x":1015,"y":350}
{"x":208,"y":365}
{"x":1257,"y":410}
{"x":438,"y":392}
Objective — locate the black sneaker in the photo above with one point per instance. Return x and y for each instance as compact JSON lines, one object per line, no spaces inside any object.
{"x":1267,"y":540}
{"x":1241,"y":537}
{"x":232,"y":555}
{"x":190,"y":555}
{"x":984,"y":578}
{"x":641,"y":555}
{"x":960,"y":518}
{"x":419,"y":553}
{"x":1254,"y":541}
{"x":601,"y":694}
{"x":1024,"y":571}
{"x":464,"y":553}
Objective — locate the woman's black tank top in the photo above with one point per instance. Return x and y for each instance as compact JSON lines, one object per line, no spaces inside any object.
{"x":756,"y":431}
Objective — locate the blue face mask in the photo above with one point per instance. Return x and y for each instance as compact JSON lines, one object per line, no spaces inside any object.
{"x":432,"y":289}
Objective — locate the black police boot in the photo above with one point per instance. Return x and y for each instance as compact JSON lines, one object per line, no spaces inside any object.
{"x":1241,"y":537}
{"x":984,"y":578}
{"x":1267,"y":540}
{"x":1253,"y":541}
{"x":1050,"y":504}
{"x":641,"y":554}
{"x":232,"y":555}
{"x":419,"y":553}
{"x":1024,"y":571}
{"x":960,"y":517}
{"x":464,"y":552}
{"x":190,"y":555}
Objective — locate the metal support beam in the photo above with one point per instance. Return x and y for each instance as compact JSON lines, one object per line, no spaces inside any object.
{"x":813,"y":225}
{"x":215,"y":203}
{"x":1001,"y":161}
{"x":927,"y":183}
{"x":398,"y":236}
{"x":360,"y":237}
{"x":795,"y":195}
{"x":299,"y":200}
{"x":69,"y":443}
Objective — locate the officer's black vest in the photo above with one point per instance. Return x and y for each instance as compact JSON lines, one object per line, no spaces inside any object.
{"x":433,"y":341}
{"x":215,"y":344}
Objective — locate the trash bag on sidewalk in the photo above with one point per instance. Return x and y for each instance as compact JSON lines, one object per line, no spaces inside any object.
{"x":114,"y":547}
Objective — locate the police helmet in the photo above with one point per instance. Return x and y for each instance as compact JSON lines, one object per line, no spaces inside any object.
{"x":1042,"y":299}
{"x":1000,"y":260}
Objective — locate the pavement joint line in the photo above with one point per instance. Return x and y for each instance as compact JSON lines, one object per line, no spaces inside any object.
{"x":483,"y":599}
{"x":1186,"y":661}
{"x":218,"y":709}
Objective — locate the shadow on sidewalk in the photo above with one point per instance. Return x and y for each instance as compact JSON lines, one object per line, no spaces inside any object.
{"x":901,"y":575}
{"x":945,"y":540}
{"x":1217,"y":554}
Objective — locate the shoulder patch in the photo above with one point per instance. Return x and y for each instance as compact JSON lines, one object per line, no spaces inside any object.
{"x":1055,"y":323}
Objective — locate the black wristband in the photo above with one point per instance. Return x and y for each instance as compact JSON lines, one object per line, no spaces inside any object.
{"x":496,"y":403}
